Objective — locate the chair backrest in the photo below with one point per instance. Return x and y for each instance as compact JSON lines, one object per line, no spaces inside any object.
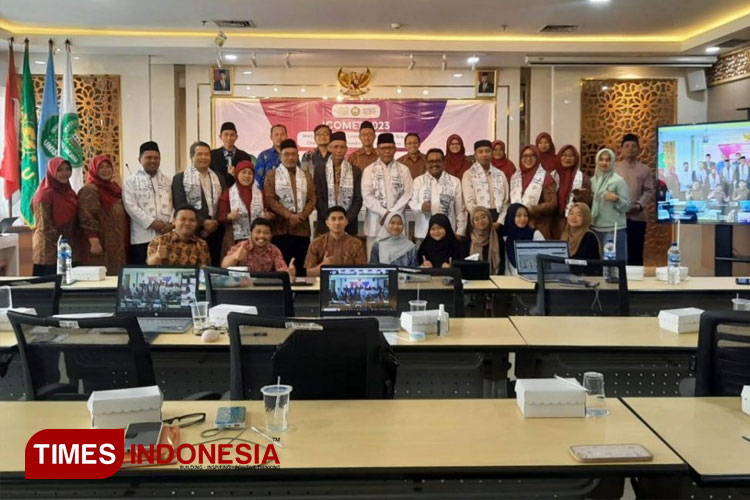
{"x":320,"y":358}
{"x":271,"y":293}
{"x":723,"y":360}
{"x":42,"y":293}
{"x":575,"y":287}
{"x":98,"y":354}
{"x":435,"y":285}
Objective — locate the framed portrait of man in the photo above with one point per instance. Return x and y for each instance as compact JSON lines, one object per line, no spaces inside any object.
{"x":221,"y":81}
{"x":486,"y":83}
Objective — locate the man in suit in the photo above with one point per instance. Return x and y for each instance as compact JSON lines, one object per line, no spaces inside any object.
{"x":343,"y":179}
{"x":485,"y":85}
{"x":225,"y":158}
{"x":223,"y":82}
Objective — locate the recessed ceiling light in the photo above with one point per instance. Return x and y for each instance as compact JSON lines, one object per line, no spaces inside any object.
{"x":247,"y":88}
{"x":276,"y":89}
{"x":303,"y":90}
{"x":398,"y":90}
{"x":712,"y":50}
{"x":248,"y":72}
{"x":472,"y":60}
{"x":339,"y":98}
{"x":76,"y":58}
{"x":425,"y":92}
{"x":38,"y":62}
{"x":598,"y":1}
{"x":230,"y":57}
{"x":325,"y":97}
{"x":457,"y":75}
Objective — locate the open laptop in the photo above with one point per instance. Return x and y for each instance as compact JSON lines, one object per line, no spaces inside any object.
{"x":361,"y":291}
{"x":526,"y":252}
{"x":159,"y":297}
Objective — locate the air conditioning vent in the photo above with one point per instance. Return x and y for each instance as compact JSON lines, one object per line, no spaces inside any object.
{"x":560,"y":28}
{"x":234,"y":24}
{"x":734,"y":42}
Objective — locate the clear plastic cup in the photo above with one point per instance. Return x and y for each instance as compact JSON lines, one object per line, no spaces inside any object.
{"x":276,"y":403}
{"x":596,"y":404}
{"x":199,"y":310}
{"x":417,"y":305}
{"x":739,"y":304}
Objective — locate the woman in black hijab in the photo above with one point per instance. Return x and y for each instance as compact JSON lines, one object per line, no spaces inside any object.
{"x":440,"y":246}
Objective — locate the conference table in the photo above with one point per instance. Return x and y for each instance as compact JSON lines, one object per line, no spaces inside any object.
{"x":389,"y":447}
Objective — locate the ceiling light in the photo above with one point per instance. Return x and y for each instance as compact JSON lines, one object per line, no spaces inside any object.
{"x":425,"y":92}
{"x":76,"y":58}
{"x":287,"y":64}
{"x":599,"y":1}
{"x":248,"y":72}
{"x":472,"y":60}
{"x":712,"y":50}
{"x":303,"y":90}
{"x":604,"y":87}
{"x":325,"y":97}
{"x":38,"y":62}
{"x":411,"y":62}
{"x":339,"y":98}
{"x":444,"y":65}
{"x":457,"y":75}
{"x":398,"y":90}
{"x":276,"y":89}
{"x":253,"y":62}
{"x":230,"y":57}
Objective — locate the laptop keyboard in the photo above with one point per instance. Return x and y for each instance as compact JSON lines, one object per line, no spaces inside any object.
{"x":165,"y":325}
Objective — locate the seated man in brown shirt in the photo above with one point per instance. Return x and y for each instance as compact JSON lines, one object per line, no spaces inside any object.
{"x":180,"y":247}
{"x":336,"y":247}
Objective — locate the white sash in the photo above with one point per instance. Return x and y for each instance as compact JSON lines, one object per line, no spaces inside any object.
{"x":482,"y":187}
{"x":284,"y":188}
{"x":241,"y":226}
{"x":146,"y":197}
{"x":577,"y":184}
{"x":191,"y":181}
{"x":379,"y":184}
{"x":533,"y":192}
{"x":446,"y":194}
{"x":346,"y":185}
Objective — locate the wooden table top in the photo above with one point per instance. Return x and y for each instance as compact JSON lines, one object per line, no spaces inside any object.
{"x":383,"y":435}
{"x":705,"y":432}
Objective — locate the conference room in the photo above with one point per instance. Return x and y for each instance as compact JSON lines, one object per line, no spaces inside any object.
{"x":292,"y":249}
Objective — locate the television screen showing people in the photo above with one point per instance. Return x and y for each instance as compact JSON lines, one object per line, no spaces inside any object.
{"x":359,"y":290}
{"x":156,"y":290}
{"x":704,"y":173}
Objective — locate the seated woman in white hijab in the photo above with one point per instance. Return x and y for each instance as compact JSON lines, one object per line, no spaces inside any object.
{"x":395,"y":249}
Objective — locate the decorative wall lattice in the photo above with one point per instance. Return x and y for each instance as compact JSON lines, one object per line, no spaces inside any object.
{"x":730,"y":67}
{"x":612,"y":108}
{"x":98,"y":102}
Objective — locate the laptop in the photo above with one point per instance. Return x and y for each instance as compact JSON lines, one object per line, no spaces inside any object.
{"x":526,"y":252}
{"x":159,"y":297}
{"x":360,"y":292}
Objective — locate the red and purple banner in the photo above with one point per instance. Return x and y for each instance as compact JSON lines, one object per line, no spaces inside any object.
{"x":433,"y":120}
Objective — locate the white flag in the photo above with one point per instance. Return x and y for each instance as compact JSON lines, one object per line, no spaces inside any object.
{"x":69,"y":142}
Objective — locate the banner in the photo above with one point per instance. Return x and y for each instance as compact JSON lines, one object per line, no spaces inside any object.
{"x":46,"y":145}
{"x":29,"y":164}
{"x":69,"y":144}
{"x":10,"y":169}
{"x":433,"y":120}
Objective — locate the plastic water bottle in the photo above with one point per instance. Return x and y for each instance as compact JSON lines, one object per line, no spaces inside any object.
{"x":673,"y":265}
{"x":610,"y":253}
{"x":65,"y":260}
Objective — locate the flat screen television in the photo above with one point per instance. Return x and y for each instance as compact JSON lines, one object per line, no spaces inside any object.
{"x":703,"y":173}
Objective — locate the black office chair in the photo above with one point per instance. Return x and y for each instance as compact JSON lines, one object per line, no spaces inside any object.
{"x":572,"y":287}
{"x":319,"y":358}
{"x":42,"y":293}
{"x":723,"y":358}
{"x":271,"y":293}
{"x":99,"y":354}
{"x":436,"y":286}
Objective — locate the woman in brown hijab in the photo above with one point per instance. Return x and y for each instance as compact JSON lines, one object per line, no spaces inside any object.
{"x":533,"y":187}
{"x":575,"y":185}
{"x":582,"y":241}
{"x":456,"y":162}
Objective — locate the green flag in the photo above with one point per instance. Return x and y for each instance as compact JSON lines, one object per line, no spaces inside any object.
{"x":69,"y":141}
{"x":29,"y":161}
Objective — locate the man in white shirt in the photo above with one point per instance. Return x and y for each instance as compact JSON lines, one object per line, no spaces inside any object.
{"x":486,"y":186}
{"x":437,"y":192}
{"x":386,"y":188}
{"x":147,"y":197}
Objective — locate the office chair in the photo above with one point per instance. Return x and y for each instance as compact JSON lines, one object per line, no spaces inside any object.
{"x":42,"y":293}
{"x":271,"y":293}
{"x":723,"y":358}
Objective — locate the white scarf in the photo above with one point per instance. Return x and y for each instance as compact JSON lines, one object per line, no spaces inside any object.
{"x":577,"y":184}
{"x":378,"y":183}
{"x":446,"y":202}
{"x":482,"y":187}
{"x":346,"y":185}
{"x":241,"y":225}
{"x":191,"y":181}
{"x":284,"y":188}
{"x":145,"y":194}
{"x":533,"y":192}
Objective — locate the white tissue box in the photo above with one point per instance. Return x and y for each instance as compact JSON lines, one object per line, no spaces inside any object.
{"x":118,"y":408}
{"x":425,"y":322}
{"x":634,"y":273}
{"x":5,"y":324}
{"x":745,"y":395}
{"x":550,"y":397}
{"x":685,"y":320}
{"x":89,"y":273}
{"x":217,"y":315}
{"x":661,"y":273}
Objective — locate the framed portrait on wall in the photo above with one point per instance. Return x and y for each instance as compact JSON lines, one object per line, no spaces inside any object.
{"x":486,"y":83}
{"x":221,"y":80}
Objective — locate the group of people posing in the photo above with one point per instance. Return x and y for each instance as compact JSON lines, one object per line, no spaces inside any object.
{"x":722,"y":181}
{"x":229,"y":208}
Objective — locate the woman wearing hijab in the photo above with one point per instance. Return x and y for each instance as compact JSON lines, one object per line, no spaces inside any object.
{"x":240,"y":204}
{"x":517,"y":228}
{"x":575,"y":186}
{"x":611,"y":202}
{"x":547,"y":155}
{"x":484,"y":240}
{"x":532,"y":187}
{"x":501,"y":161}
{"x":440,"y":246}
{"x":395,"y":249}
{"x":55,"y":208}
{"x":102,"y":217}
{"x":456,"y":161}
{"x":582,"y":242}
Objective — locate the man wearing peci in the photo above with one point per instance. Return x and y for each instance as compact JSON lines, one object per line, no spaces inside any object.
{"x":225,"y":158}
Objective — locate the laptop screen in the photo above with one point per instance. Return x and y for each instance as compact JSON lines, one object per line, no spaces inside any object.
{"x":156,"y":291}
{"x":526,"y":252}
{"x":359,"y":291}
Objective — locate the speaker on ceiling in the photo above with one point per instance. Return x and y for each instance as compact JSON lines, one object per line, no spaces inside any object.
{"x":696,"y":79}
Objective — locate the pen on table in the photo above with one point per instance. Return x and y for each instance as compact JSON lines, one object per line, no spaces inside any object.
{"x":746,"y":438}
{"x":269,"y":438}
